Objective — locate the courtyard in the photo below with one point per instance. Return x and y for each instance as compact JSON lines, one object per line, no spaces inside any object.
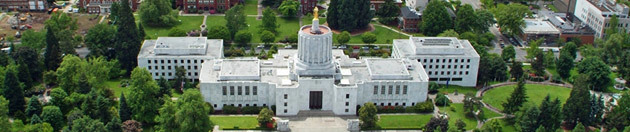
{"x":535,"y":93}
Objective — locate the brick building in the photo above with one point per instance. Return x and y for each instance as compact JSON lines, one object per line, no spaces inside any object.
{"x":408,"y":20}
{"x":212,"y":6}
{"x":307,"y":6}
{"x":377,"y":4}
{"x":23,"y":5}
{"x":103,"y":6}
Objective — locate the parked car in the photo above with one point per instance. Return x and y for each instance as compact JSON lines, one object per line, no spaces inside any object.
{"x":342,"y":47}
{"x":376,"y":47}
{"x":365,"y":48}
{"x":288,"y":47}
{"x":260,"y":46}
{"x":502,"y":45}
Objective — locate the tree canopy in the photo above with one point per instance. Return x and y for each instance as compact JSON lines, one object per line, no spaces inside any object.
{"x":289,"y":8}
{"x":143,"y":91}
{"x":157,"y":13}
{"x":510,"y":17}
{"x":435,"y":19}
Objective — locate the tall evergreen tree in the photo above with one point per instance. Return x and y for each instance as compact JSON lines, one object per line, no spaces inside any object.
{"x":348,"y":18}
{"x":578,"y":106}
{"x":25,"y":75}
{"x":435,"y":19}
{"x":114,"y":8}
{"x":269,"y":20}
{"x":528,"y":121}
{"x":13,"y":92}
{"x":52,"y":57}
{"x":115,"y":125}
{"x":34,"y":107}
{"x":141,"y":33}
{"x":123,"y":110}
{"x":550,"y":114}
{"x":364,"y":14}
{"x":127,"y":39}
{"x":579,"y":128}
{"x":165,"y":86}
{"x":517,"y":98}
{"x":333,"y":13}
{"x":4,"y":110}
{"x":35,"y":119}
{"x":516,"y":70}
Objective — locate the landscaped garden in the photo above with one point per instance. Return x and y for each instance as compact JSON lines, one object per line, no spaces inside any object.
{"x":403,"y":121}
{"x":187,"y":23}
{"x":457,"y":112}
{"x":460,"y":89}
{"x":535,"y":93}
{"x":235,"y":122}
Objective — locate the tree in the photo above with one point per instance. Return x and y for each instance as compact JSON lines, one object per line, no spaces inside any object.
{"x":509,"y":53}
{"x":465,"y":15}
{"x":35,"y":119}
{"x":516,"y":70}
{"x":127,"y":41}
{"x":176,"y":32}
{"x":517,"y":98}
{"x":67,"y":73}
{"x":131,"y":126}
{"x":368,"y":38}
{"x":100,"y":38}
{"x":491,"y":68}
{"x":343,"y":38}
{"x":165,"y":86}
{"x":271,"y":3}
{"x":473,"y":107}
{"x":235,"y":18}
{"x":57,"y":96}
{"x":26,"y":81}
{"x":4,"y":118}
{"x":571,"y":48}
{"x":289,"y":8}
{"x":579,"y":128}
{"x":4,"y":59}
{"x":13,"y":92}
{"x":597,"y":72}
{"x":180,"y":78}
{"x":485,"y":19}
{"x":267,"y":37}
{"x":34,"y":107}
{"x":510,"y":17}
{"x":269,"y":21}
{"x":30,"y":58}
{"x":64,"y":27}
{"x":441,"y":100}
{"x":157,"y":13}
{"x":617,"y":117}
{"x":334,"y":13}
{"x":142,"y":95}
{"x":349,"y":15}
{"x":52,"y":57}
{"x":541,"y":129}
{"x":243,"y":37}
{"x":597,"y":109}
{"x":87,"y":124}
{"x":460,"y":125}
{"x":564,"y":64}
{"x":550,"y":114}
{"x":449,"y":33}
{"x":388,"y":12}
{"x":141,"y":33}
{"x":367,"y":115}
{"x":435,"y":19}
{"x":219,"y":32}
{"x":35,"y":40}
{"x":612,"y":29}
{"x":113,"y":11}
{"x":436,"y":124}
{"x":433,"y":87}
{"x":493,"y":126}
{"x":166,"y":120}
{"x":53,"y":115}
{"x":538,"y":64}
{"x":191,"y":104}
{"x":114,"y":125}
{"x":578,"y":107}
{"x":265,"y":116}
{"x":528,"y":121}
{"x":549,"y":59}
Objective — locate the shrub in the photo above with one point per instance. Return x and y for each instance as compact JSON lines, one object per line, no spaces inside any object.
{"x":424,"y":107}
{"x":441,"y":100}
{"x":230,"y":110}
{"x":251,"y":110}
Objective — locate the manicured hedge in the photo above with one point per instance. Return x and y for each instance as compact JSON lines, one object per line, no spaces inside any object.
{"x":424,"y":107}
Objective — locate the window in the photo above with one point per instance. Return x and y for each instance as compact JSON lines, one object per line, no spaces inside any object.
{"x":163,"y":68}
{"x":285,"y":104}
{"x":224,"y":90}
{"x":382,"y":104}
{"x":375,"y":90}
{"x":240,"y":105}
{"x":437,"y":60}
{"x":149,"y":61}
{"x":195,"y":67}
{"x":286,"y":96}
{"x":431,"y":60}
{"x":389,"y":104}
{"x":466,"y":72}
{"x":169,"y":67}
{"x":448,"y":73}
{"x":157,"y":74}
{"x":240,"y":90}
{"x":443,"y":60}
{"x":285,"y":110}
{"x":255,"y":90}
{"x":347,"y":110}
{"x":424,"y":66}
{"x":188,"y":68}
{"x":162,"y":61}
{"x":455,"y":60}
{"x":449,"y":66}
{"x":403,"y":104}
{"x":347,"y":96}
{"x":455,"y":66}
{"x":168,"y":61}
{"x":246,"y":90}
{"x":430,"y":66}
{"x":449,"y":60}
{"x":215,"y":105}
{"x":155,"y":67}
{"x":181,"y":61}
{"x":231,"y":90}
{"x":163,"y":74}
{"x":195,"y":61}
{"x":457,"y":79}
{"x":196,"y":74}
{"x":442,"y":66}
{"x":460,"y":72}
{"x":175,"y":61}
{"x":395,"y":104}
{"x":468,"y":60}
{"x":467,"y":66}
{"x":155,"y":61}
{"x":429,"y":72}
{"x":383,"y":89}
{"x":391,"y":88}
{"x":189,"y":74}
{"x":404,"y":89}
{"x":397,"y":89}
{"x":425,"y":60}
{"x":149,"y":67}
{"x":442,"y":72}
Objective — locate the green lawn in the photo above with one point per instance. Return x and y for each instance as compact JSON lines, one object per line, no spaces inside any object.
{"x":535,"y":93}
{"x":187,"y":23}
{"x":460,"y":89}
{"x":489,"y":114}
{"x":403,"y":121}
{"x":504,"y":125}
{"x":287,"y":26}
{"x":243,"y":122}
{"x":453,"y":116}
{"x":383,"y":35}
{"x":251,"y":7}
{"x":212,"y":21}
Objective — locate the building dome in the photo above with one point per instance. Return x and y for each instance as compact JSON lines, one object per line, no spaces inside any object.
{"x":314,"y":55}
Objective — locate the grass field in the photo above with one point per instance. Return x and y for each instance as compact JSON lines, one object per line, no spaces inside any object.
{"x":459,"y":89}
{"x":243,"y":122}
{"x":383,"y":35}
{"x":535,"y":93}
{"x":403,"y":121}
{"x":187,"y":23}
{"x":453,"y":116}
{"x":251,"y":7}
{"x":505,"y":127}
{"x":287,"y":26}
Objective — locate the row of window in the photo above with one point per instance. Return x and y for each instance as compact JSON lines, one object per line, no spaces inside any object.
{"x":239,"y":105}
{"x":171,"y":73}
{"x":395,"y":104}
{"x":389,"y":90}
{"x":239,"y":90}
{"x":446,"y":66}
{"x":444,"y":60}
{"x":170,"y":68}
{"x":446,"y":79}
{"x":447,"y":73}
{"x":174,"y":61}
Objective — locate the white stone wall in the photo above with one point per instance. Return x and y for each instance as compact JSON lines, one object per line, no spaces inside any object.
{"x":417,"y":92}
{"x":213,"y":93}
{"x":165,"y":67}
{"x":440,"y":69}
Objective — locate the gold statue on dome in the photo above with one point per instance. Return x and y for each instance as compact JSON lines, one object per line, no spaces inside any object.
{"x":315,"y":15}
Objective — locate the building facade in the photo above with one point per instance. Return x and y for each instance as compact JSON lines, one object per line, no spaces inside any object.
{"x":163,"y":55}
{"x":597,"y":14}
{"x":408,"y":20}
{"x":446,"y":60}
{"x":377,"y":4}
{"x":313,"y":77}
{"x":537,"y":28}
{"x":103,"y":6}
{"x":307,"y":6}
{"x":212,"y":6}
{"x":23,"y":5}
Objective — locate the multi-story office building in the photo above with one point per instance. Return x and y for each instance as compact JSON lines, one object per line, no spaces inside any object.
{"x":23,"y":5}
{"x":446,"y":60}
{"x":103,"y":6}
{"x":597,"y":14}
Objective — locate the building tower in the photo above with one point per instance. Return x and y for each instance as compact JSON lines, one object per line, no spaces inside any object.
{"x":314,"y":57}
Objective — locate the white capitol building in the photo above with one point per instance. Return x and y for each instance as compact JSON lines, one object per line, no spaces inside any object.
{"x":313,"y":77}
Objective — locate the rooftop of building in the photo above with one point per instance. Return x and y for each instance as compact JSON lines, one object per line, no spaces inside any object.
{"x":279,"y":69}
{"x":181,"y":46}
{"x":538,"y":26}
{"x":561,"y":22}
{"x":608,"y":5}
{"x":434,"y":46}
{"x":408,"y":13}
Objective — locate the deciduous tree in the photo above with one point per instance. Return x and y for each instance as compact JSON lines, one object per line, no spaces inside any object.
{"x":465,"y":15}
{"x":219,"y":32}
{"x":564,"y":64}
{"x":142,"y":95}
{"x":367,"y":115}
{"x":510,"y":17}
{"x":436,"y":124}
{"x":269,"y":21}
{"x":597,"y":72}
{"x":508,"y":53}
{"x":435,"y":19}
{"x":343,"y":38}
{"x":99,"y":39}
{"x":53,"y":115}
{"x":267,"y":37}
{"x":368,"y":38}
{"x":289,"y":8}
{"x":87,"y":124}
{"x":157,"y":13}
{"x":235,"y":18}
{"x":243,"y":37}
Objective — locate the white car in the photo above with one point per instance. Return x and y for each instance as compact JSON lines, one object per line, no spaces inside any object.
{"x":260,"y":46}
{"x":288,"y":47}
